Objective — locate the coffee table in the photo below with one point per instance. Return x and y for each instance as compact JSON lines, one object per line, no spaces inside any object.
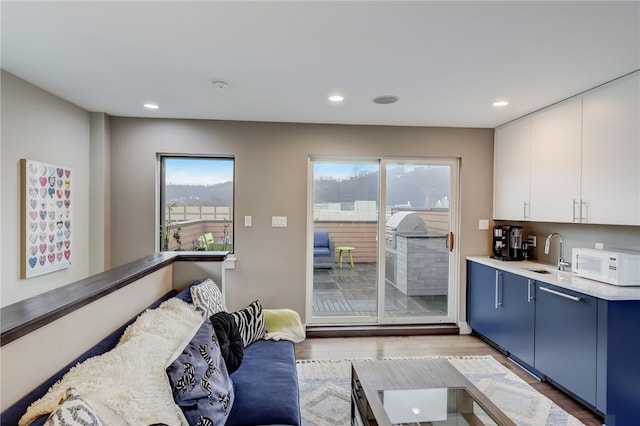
{"x":418,"y":392}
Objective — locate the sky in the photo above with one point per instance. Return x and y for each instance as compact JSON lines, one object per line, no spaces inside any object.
{"x":211,"y":171}
{"x":342,"y":170}
{"x":198,"y":171}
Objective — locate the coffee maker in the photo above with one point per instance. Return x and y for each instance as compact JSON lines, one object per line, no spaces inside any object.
{"x":507,"y":242}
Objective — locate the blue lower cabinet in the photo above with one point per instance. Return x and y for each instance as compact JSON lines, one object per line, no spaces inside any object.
{"x":618,"y":366}
{"x":518,"y":316}
{"x":502,"y":309}
{"x":587,"y":346}
{"x":566,"y":328}
{"x":483,"y":309}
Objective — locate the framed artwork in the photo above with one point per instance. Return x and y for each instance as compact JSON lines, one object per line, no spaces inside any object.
{"x":46,"y":219}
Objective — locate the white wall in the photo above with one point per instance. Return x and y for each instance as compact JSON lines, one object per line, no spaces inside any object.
{"x":40,"y":126}
{"x":31,"y":359}
{"x":99,"y":194}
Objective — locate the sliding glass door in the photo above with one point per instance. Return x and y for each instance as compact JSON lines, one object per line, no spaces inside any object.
{"x":417,"y":247}
{"x":345,"y":241}
{"x":381,"y":241}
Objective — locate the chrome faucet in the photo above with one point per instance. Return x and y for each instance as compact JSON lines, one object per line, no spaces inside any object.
{"x":561,"y":262}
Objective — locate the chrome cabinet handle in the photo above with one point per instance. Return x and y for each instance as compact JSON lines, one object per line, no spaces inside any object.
{"x":498,"y":303}
{"x":558,"y":293}
{"x":583,"y":208}
{"x":524,"y":209}
{"x":529,"y":284}
{"x":577,"y":218}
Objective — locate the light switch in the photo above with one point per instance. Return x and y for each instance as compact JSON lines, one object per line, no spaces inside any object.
{"x":247,"y":221}
{"x":279,"y":221}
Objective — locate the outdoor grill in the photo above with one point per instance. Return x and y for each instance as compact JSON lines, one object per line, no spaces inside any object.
{"x":416,"y":259}
{"x":403,"y":223}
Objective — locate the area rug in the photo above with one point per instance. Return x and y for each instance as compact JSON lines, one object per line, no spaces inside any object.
{"x":325,"y":392}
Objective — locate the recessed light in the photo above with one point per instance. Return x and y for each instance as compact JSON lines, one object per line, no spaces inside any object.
{"x":500,"y":103}
{"x":336,"y":98}
{"x":151,"y":106}
{"x":386,"y":99}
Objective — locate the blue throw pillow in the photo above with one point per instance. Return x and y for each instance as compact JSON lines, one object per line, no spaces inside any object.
{"x":200,"y":381}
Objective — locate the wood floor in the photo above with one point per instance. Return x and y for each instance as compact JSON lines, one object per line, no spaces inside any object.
{"x":456,"y":345}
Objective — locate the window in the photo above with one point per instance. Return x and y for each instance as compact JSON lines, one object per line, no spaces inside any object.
{"x":196,"y":203}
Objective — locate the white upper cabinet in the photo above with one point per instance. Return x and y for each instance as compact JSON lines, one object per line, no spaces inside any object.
{"x":511,"y":171}
{"x":611,"y":153}
{"x":577,"y":161}
{"x":555,"y":162}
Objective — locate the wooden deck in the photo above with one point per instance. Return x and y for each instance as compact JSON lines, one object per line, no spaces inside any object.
{"x":347,"y":292}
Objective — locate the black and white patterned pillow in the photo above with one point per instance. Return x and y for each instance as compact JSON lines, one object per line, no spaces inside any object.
{"x":200,"y":381}
{"x":73,"y":411}
{"x":208,"y":298}
{"x":250,"y":322}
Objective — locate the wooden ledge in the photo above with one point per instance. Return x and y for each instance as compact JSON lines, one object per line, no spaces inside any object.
{"x":30,"y":314}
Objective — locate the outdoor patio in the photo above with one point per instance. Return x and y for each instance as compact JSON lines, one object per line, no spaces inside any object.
{"x":352,"y":292}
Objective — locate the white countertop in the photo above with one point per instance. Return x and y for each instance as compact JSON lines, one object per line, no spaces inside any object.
{"x":561,"y":279}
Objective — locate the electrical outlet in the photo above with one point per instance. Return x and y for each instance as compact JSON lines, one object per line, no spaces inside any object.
{"x":532,"y":240}
{"x":279,"y":221}
{"x":599,"y":246}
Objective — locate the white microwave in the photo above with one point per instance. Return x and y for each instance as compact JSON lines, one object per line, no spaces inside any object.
{"x":612,"y":267}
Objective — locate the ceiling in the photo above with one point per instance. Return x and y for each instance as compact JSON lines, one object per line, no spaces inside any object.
{"x":445,"y":61}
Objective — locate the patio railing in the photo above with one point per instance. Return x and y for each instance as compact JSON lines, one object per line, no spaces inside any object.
{"x":362,"y":235}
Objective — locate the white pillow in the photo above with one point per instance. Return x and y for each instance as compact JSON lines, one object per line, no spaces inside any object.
{"x":208,"y":298}
{"x":73,"y":411}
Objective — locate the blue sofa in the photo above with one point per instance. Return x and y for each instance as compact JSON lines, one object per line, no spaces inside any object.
{"x":265,"y":385}
{"x":323,"y":250}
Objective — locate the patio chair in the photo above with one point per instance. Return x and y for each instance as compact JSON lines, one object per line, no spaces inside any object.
{"x":323,"y":250}
{"x":208,"y":241}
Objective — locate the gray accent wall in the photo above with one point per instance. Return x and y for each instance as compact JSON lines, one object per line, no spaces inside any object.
{"x":271,"y":180}
{"x":114,"y":161}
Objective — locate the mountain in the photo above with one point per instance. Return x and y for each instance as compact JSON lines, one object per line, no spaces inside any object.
{"x":200,"y":195}
{"x":421,"y":188}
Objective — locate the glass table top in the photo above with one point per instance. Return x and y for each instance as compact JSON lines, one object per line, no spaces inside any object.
{"x":453,"y":406}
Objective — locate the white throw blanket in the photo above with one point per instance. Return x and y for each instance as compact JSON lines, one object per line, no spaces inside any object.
{"x":131,"y":379}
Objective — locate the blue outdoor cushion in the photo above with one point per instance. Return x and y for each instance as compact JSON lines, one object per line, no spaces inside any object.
{"x":260,"y":385}
{"x":321,"y":239}
{"x":321,"y":251}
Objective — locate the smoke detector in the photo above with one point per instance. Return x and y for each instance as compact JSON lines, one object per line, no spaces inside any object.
{"x":220,"y":84}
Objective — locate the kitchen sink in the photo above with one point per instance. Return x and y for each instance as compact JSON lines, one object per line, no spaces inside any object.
{"x":538,"y":270}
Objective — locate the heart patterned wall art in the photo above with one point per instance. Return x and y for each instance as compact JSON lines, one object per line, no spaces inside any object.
{"x":46,"y":216}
